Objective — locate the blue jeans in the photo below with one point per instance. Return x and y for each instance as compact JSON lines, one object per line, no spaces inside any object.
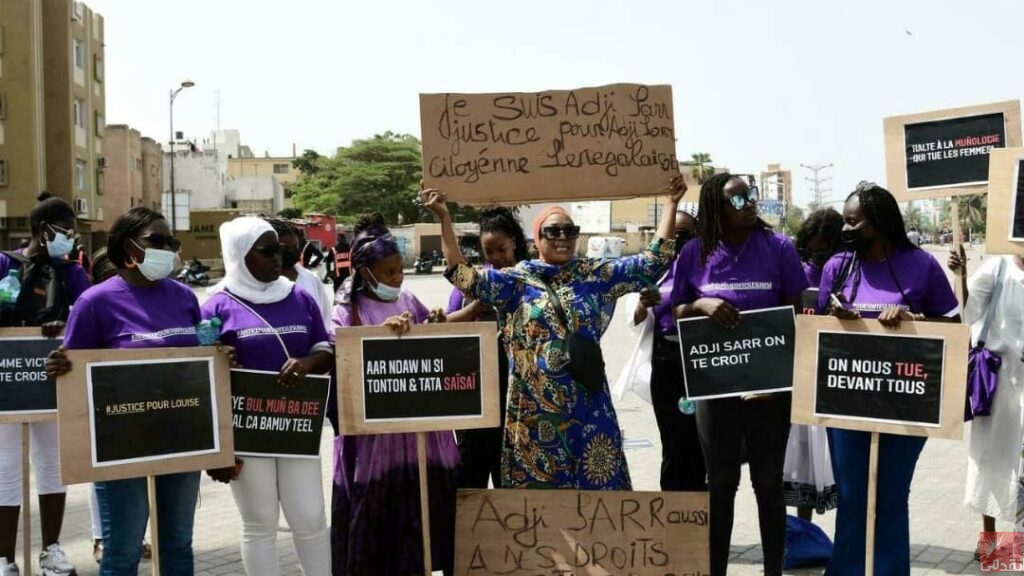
{"x":897,"y":457}
{"x":124,"y":512}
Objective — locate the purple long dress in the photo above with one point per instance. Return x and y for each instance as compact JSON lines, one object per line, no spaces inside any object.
{"x":375,"y":510}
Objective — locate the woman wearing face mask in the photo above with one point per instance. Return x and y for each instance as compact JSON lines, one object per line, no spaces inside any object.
{"x":139,"y":308}
{"x":50,"y":285}
{"x":559,"y":431}
{"x":252,"y":298}
{"x":737,"y":263}
{"x":682,"y":464}
{"x":376,"y":476}
{"x":884,"y":276}
{"x":809,"y":484}
{"x":503,"y":244}
{"x":291,"y":253}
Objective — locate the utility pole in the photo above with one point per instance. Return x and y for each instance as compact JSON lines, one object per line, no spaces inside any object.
{"x":817,"y":180}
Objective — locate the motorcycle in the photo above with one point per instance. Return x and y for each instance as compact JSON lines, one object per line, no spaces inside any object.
{"x":423,"y":266}
{"x":195,"y":274}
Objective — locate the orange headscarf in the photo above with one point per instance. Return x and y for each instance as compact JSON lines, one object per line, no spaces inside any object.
{"x":542,"y":216}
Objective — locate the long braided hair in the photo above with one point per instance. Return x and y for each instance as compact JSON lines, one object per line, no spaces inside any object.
{"x":502,"y":220}
{"x":711,"y":214}
{"x":883,"y":213}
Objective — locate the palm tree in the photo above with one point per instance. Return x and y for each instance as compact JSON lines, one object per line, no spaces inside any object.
{"x":973,"y":210}
{"x":701,"y":168}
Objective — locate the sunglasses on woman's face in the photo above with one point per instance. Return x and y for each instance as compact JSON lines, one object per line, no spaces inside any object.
{"x":569,"y":232}
{"x":269,"y":250}
{"x":161,"y":242}
{"x":739,"y":202}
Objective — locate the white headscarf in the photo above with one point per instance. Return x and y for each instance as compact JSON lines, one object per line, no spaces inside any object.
{"x":690,"y":208}
{"x":237,"y":237}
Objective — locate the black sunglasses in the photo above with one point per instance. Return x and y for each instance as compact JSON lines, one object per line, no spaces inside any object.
{"x":269,"y":250}
{"x":159,"y":241}
{"x":740,"y":201}
{"x":569,"y":232}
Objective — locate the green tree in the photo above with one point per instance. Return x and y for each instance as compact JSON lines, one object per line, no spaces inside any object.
{"x":794,"y":219}
{"x":290,"y":213}
{"x":700,"y":167}
{"x":973,"y":212}
{"x":378,"y":174}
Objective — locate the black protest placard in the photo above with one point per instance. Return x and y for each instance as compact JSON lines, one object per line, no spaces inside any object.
{"x":809,"y":300}
{"x":151,"y":410}
{"x":952,"y":151}
{"x":895,"y":379}
{"x":1017,"y":223}
{"x":756,"y":357}
{"x":421,"y":377}
{"x":269,"y":420}
{"x":24,"y":386}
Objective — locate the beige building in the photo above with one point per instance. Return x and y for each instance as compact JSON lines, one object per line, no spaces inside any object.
{"x":280,"y":168}
{"x":777,"y":184}
{"x":133,"y":174}
{"x":52,"y":111}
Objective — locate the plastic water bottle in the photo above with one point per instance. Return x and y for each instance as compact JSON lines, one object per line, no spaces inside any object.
{"x":687,"y":406}
{"x":10,"y":287}
{"x":208,"y":331}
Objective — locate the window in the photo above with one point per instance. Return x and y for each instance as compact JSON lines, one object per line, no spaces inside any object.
{"x":80,"y":174}
{"x":3,"y":105}
{"x":79,"y":54}
{"x":79,"y":113}
{"x":1,"y":39}
{"x":101,"y":124}
{"x":97,"y":68}
{"x":280,"y":168}
{"x":3,"y":172}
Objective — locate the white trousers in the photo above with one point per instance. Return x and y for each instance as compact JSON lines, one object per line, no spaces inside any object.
{"x":45,"y":458}
{"x":265,"y":487}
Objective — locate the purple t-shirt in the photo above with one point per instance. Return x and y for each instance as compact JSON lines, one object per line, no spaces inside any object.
{"x":762,"y":272}
{"x":296,"y":319}
{"x":870,"y":286}
{"x":664,"y":318}
{"x":374,"y":312}
{"x":74,"y":275}
{"x":115,"y":314}
{"x":813,"y":273}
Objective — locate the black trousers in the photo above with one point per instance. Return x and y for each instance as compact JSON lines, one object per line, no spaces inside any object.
{"x":724,"y":426}
{"x":480,"y":448}
{"x":682,"y":461}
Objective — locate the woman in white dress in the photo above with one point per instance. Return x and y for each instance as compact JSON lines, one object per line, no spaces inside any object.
{"x":995,"y":446}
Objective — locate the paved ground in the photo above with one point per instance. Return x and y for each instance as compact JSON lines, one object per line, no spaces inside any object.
{"x":943,"y":533}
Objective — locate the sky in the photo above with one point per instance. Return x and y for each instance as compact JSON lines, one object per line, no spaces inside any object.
{"x":754,"y":82}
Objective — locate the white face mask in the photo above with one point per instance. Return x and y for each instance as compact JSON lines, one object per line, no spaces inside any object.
{"x":383,"y":291}
{"x":157,"y":264}
{"x":60,"y":246}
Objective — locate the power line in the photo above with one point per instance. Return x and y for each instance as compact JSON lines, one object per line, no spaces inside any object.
{"x":816,"y":181}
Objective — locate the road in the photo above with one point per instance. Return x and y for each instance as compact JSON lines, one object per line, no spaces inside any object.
{"x":943,"y":532}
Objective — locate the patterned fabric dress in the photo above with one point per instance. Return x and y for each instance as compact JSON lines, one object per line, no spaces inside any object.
{"x":557,"y":434}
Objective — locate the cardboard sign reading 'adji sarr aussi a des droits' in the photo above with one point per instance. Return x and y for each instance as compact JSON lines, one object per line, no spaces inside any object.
{"x":571,"y":532}
{"x":614,"y":141}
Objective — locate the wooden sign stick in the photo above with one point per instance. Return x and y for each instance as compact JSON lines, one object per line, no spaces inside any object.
{"x":960,"y":286}
{"x":869,"y":534}
{"x":421,"y":450}
{"x":26,"y":500}
{"x":154,"y":532}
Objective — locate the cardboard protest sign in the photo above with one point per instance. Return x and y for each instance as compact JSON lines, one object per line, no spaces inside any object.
{"x":756,"y":357}
{"x":946,"y":152}
{"x":571,"y":532}
{"x":27,"y":394}
{"x":436,"y":377}
{"x":269,"y":420}
{"x":1004,"y":232}
{"x":859,"y":375}
{"x":598,"y":143}
{"x":143,"y":412}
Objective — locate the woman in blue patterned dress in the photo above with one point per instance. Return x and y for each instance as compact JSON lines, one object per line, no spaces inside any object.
{"x":558,"y":434}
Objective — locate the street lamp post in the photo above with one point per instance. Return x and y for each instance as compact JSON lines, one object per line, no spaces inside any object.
{"x":174,"y":203}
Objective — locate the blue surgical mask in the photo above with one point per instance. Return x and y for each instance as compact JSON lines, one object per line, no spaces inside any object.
{"x":383,"y":291}
{"x":60,"y":246}
{"x":157,"y":264}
